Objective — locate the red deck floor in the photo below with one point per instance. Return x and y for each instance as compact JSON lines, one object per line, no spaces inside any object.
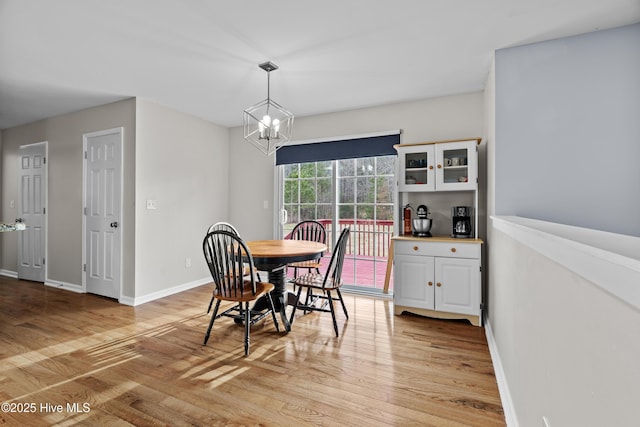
{"x":364,"y":272}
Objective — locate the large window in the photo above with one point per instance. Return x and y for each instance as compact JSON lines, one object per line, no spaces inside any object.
{"x":356,"y":193}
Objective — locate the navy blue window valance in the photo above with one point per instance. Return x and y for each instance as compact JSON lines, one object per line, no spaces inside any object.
{"x":339,"y":149}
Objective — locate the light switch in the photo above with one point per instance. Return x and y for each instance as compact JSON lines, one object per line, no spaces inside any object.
{"x":12,"y":204}
{"x":265,"y":204}
{"x":151,"y":204}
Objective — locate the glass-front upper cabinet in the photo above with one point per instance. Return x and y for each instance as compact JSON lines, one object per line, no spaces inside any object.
{"x":416,"y":166}
{"x":457,"y":165}
{"x":445,"y":166}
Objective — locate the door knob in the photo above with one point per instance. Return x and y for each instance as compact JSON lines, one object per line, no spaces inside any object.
{"x":114,"y":224}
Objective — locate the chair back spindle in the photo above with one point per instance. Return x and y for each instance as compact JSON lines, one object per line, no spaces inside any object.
{"x":333,"y":277}
{"x":221,"y":225}
{"x":228,"y":258}
{"x":313,"y":231}
{"x":309,"y":230}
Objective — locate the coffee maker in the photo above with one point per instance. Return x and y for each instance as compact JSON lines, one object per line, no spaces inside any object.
{"x":461,"y":227}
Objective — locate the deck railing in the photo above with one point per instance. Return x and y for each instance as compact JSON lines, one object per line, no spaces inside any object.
{"x":369,"y":238}
{"x":367,"y":251}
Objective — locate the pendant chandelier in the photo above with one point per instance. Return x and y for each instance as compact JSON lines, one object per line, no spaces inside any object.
{"x":267,"y":125}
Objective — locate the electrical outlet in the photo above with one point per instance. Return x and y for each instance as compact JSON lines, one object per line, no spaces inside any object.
{"x":187,"y":263}
{"x":265,"y":204}
{"x":12,"y":204}
{"x":545,"y":422}
{"x":152,"y":204}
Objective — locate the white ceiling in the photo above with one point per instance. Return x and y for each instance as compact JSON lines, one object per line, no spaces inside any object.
{"x":201,"y":57}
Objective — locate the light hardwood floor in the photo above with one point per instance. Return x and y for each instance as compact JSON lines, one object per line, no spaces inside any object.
{"x":146,"y":365}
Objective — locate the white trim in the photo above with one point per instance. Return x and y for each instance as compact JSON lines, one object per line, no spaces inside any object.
{"x":611,"y":261}
{"x":278,"y":200}
{"x":9,"y":273}
{"x":64,"y":285}
{"x":163,"y":293}
{"x":369,"y":292}
{"x":501,"y":378}
{"x":127,"y":301}
{"x":52,"y":283}
{"x":346,"y":137}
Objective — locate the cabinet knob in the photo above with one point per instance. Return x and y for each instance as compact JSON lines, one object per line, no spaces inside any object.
{"x":430,"y":167}
{"x":415,"y":248}
{"x":438,"y":284}
{"x":439,"y":166}
{"x":453,"y":250}
{"x":430,"y":283}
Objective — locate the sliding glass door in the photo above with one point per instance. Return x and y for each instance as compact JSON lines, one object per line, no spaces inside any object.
{"x":357,"y":193}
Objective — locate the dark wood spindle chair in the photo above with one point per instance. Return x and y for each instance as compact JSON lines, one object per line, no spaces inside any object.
{"x":325,"y":284}
{"x":221,"y":225}
{"x":312,"y":231}
{"x":227,"y":257}
{"x":315,"y":232}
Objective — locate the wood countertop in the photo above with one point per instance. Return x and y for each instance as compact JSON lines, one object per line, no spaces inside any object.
{"x":446,"y":239}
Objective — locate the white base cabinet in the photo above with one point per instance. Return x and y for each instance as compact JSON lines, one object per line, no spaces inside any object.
{"x":438,"y":278}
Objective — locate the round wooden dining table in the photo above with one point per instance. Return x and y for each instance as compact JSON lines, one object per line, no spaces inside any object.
{"x":273,"y":256}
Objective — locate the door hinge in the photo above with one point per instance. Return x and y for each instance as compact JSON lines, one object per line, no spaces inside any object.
{"x":85,"y":210}
{"x":44,"y":160}
{"x":480,"y":268}
{"x":84,"y":267}
{"x":44,"y":261}
{"x":44,"y":210}
{"x":85,"y":154}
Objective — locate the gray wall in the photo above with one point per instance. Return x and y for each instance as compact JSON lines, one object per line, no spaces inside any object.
{"x":64,"y":235}
{"x":568,"y":349}
{"x":176,"y":159}
{"x":182,"y":163}
{"x":567,"y":130}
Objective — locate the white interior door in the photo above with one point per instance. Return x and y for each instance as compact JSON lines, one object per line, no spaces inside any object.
{"x":102,"y":212}
{"x":32,"y":241}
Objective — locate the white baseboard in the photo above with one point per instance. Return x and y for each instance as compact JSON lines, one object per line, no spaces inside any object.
{"x":163,"y":293}
{"x":126,"y":300}
{"x":501,"y":379}
{"x":53,"y":283}
{"x":64,"y":285}
{"x":9,"y":273}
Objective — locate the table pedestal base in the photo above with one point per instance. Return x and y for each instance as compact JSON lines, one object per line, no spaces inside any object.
{"x":280,"y":296}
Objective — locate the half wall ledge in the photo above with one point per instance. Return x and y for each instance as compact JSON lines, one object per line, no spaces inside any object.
{"x":609,"y":260}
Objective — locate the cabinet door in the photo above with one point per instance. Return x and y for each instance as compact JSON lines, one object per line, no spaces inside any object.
{"x":413,"y":281}
{"x":416,"y":168}
{"x":458,"y":285}
{"x":457,"y":165}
